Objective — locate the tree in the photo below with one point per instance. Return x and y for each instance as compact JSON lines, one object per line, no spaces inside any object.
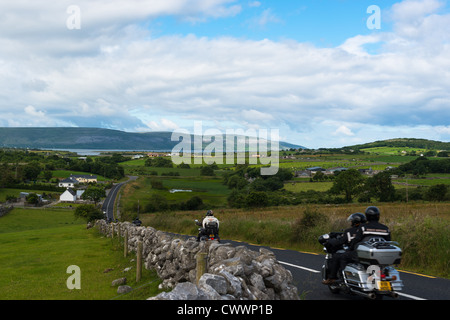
{"x":236,"y":199}
{"x":207,"y":171}
{"x":31,"y":171}
{"x":319,"y":176}
{"x":194,"y":203}
{"x":437,"y":192}
{"x":349,"y":182}
{"x":159,"y":162}
{"x":93,"y":193}
{"x":48,"y":174}
{"x":88,"y":212}
{"x":32,"y":198}
{"x":256,"y":199}
{"x":236,"y":182}
{"x":380,"y":186}
{"x":157,"y":203}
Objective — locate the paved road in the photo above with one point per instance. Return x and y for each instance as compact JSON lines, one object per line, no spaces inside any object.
{"x":305,"y":268}
{"x":108,"y":204}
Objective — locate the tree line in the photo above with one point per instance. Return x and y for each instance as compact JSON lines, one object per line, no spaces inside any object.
{"x":249,"y":189}
{"x":18,"y":167}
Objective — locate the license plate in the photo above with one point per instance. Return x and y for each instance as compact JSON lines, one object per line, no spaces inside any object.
{"x":384,"y":286}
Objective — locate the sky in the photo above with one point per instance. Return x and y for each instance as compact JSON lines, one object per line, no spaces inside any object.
{"x":325,"y":73}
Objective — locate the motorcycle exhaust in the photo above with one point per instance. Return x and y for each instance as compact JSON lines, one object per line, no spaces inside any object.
{"x":371,"y":295}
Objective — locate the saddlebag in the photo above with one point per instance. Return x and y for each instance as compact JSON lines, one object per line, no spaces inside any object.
{"x":212,"y":228}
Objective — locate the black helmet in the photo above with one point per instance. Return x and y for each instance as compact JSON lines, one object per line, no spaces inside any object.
{"x":357,"y":218}
{"x":372,"y":214}
{"x":209,"y":213}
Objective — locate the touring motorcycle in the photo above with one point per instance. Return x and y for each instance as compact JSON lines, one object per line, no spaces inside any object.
{"x":209,"y":233}
{"x":373,"y":276}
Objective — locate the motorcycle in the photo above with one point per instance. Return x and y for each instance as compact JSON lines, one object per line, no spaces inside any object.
{"x":373,"y":276}
{"x":210,"y":233}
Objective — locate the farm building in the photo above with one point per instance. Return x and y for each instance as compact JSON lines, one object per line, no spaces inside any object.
{"x":71,"y":195}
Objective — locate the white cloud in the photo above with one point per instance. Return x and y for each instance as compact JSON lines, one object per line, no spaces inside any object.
{"x":162,"y":125}
{"x":254,"y":4}
{"x":343,"y":130}
{"x":256,"y":116}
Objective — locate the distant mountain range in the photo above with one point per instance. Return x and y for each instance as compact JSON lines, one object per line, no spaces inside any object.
{"x":92,"y":138}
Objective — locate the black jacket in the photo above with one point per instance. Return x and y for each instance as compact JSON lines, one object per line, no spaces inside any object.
{"x":368,"y":230}
{"x":338,"y":240}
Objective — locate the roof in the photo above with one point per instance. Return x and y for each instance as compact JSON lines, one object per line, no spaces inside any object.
{"x":71,"y":191}
{"x":85,"y":176}
{"x":69,"y":180}
{"x":315,"y":169}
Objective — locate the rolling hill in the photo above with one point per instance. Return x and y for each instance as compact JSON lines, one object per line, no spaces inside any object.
{"x":91,"y":138}
{"x":405,"y":143}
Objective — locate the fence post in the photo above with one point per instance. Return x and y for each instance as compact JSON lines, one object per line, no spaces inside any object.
{"x":125,"y":244}
{"x":139,"y":261}
{"x":201,"y":265}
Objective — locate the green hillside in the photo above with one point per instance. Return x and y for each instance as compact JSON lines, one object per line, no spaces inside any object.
{"x":405,"y":143}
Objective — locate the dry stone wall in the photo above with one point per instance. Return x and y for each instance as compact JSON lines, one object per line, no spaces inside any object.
{"x":233,"y":273}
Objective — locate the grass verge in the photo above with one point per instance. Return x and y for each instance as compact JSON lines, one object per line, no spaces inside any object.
{"x":36,"y":253}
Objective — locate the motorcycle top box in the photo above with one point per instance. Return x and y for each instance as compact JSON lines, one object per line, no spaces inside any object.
{"x":381,"y":252}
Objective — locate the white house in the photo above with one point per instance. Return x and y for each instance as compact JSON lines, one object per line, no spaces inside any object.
{"x":68,"y":182}
{"x":69,"y":195}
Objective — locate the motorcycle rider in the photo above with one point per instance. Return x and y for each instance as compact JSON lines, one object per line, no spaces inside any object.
{"x":207,"y":221}
{"x":372,"y":228}
{"x":339,"y":260}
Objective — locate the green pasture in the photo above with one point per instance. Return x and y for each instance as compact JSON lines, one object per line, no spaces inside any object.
{"x":423,"y":182}
{"x":393,"y":150}
{"x":211,"y":190}
{"x":37,"y":247}
{"x":306,"y":186}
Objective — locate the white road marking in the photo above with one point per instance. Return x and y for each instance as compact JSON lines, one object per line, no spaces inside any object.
{"x":316,"y":271}
{"x":409,"y":296}
{"x":299,"y":267}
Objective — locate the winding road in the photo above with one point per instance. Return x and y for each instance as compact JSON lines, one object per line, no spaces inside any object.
{"x":108,"y":203}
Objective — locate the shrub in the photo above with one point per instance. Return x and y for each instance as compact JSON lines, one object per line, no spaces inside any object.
{"x":256,"y":199}
{"x":424,"y":242}
{"x":157,"y":203}
{"x":88,"y":212}
{"x":310,"y":226}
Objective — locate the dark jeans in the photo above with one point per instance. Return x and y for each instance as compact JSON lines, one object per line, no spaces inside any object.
{"x":339,"y":261}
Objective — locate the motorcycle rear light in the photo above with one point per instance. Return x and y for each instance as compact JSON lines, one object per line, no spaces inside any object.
{"x":383,"y":276}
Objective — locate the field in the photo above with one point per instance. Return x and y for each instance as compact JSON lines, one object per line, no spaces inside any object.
{"x":38,"y":245}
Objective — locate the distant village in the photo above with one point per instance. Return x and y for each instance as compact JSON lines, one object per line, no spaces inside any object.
{"x":309,"y":172}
